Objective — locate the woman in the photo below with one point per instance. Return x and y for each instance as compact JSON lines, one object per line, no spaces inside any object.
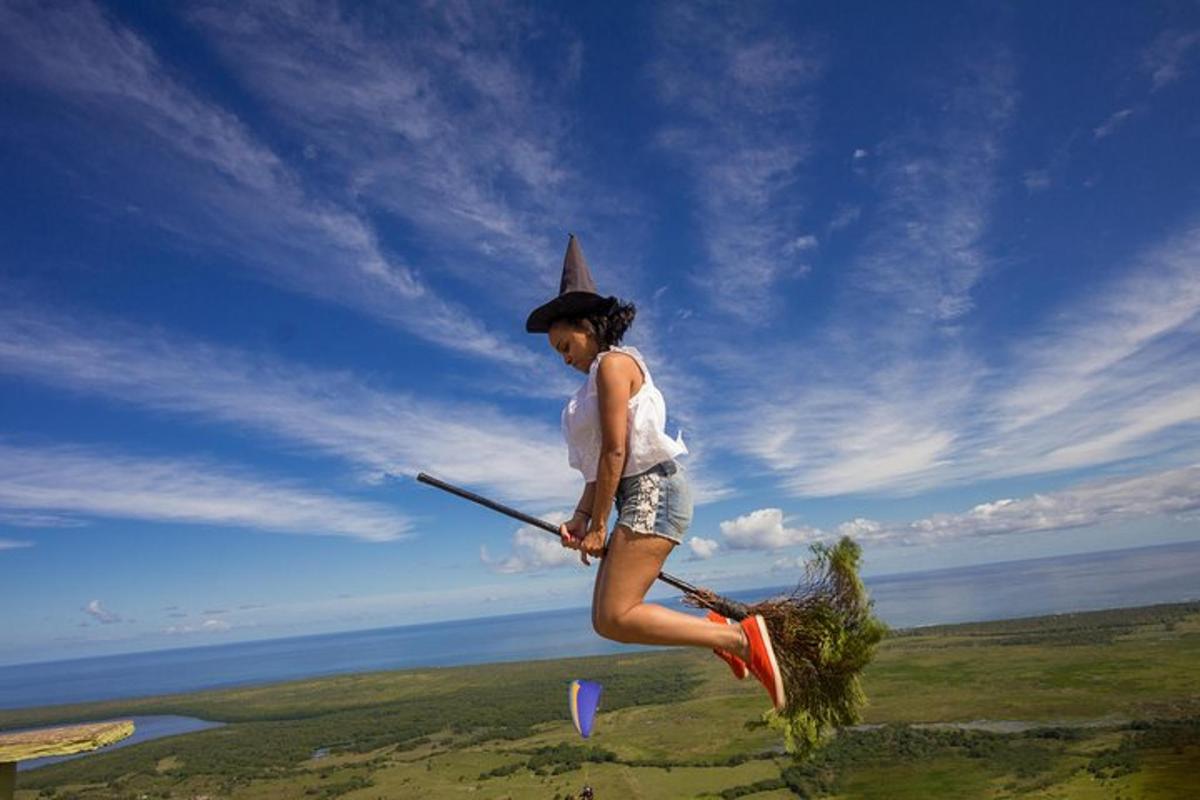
{"x":614,"y":426}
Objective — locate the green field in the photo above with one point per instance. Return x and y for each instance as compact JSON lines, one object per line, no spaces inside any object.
{"x":1095,"y":705}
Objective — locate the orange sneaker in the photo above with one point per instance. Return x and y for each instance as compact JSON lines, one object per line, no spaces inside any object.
{"x":736,"y":665}
{"x":762,"y":659}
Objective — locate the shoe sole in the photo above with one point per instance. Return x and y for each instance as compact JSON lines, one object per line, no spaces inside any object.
{"x":766,"y":640}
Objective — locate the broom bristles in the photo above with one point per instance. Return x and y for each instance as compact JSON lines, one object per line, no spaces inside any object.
{"x":824,"y":634}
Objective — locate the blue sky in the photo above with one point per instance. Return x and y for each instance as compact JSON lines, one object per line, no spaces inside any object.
{"x":928,"y":276}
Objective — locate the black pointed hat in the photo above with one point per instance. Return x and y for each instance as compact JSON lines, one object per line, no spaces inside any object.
{"x":577,"y":295}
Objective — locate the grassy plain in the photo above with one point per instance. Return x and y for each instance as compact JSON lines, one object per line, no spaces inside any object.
{"x":1095,"y":705}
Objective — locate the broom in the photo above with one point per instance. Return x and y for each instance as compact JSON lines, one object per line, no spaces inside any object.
{"x":824,"y":632}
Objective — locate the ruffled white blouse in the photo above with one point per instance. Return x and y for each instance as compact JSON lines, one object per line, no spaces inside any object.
{"x":647,"y":442}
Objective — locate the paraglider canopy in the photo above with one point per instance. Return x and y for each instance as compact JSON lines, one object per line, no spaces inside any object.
{"x":584,"y":697}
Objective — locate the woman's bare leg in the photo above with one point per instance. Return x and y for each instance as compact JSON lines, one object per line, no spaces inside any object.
{"x":629,"y":567}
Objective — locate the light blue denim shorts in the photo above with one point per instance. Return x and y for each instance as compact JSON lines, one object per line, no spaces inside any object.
{"x":657,"y":502}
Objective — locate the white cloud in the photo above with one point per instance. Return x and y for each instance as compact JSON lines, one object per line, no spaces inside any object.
{"x":1164,"y":59}
{"x":924,"y":260}
{"x":801,"y":244}
{"x":1110,"y":125}
{"x":13,"y":544}
{"x":740,"y":93}
{"x":844,"y":217}
{"x":859,"y":528}
{"x":1099,"y":502}
{"x":435,"y":113}
{"x":22,"y":519}
{"x":703,"y":548}
{"x":1036,"y":180}
{"x":860,"y":153}
{"x":97,"y":612}
{"x":380,"y":432}
{"x":207,"y":626}
{"x":764,"y":530}
{"x":533,"y":550}
{"x":1107,"y":377}
{"x":86,"y":482}
{"x":788,"y":564}
{"x":227,"y":189}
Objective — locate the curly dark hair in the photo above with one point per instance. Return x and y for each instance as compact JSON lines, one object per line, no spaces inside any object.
{"x":609,"y":326}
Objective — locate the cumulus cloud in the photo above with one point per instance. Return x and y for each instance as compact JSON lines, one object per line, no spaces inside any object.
{"x":764,"y":530}
{"x":703,"y":548}
{"x":533,"y":550}
{"x":859,"y":528}
{"x":99,"y":613}
{"x":1175,"y":491}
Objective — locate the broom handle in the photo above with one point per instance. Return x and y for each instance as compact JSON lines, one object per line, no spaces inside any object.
{"x":682,"y":586}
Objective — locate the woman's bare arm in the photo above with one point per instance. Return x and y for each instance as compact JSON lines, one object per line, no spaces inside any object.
{"x":615,"y":380}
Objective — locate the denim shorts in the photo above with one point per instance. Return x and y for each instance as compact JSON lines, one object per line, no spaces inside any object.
{"x":657,"y":502}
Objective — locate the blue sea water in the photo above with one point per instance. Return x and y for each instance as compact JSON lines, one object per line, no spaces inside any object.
{"x":1163,"y":574}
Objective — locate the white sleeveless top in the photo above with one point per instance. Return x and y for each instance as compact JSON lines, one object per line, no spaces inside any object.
{"x":647,"y":442}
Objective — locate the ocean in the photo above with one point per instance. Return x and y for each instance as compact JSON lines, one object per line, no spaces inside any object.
{"x":1143,"y":576}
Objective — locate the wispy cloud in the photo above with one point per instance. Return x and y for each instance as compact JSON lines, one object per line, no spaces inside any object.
{"x":1091,"y":385}
{"x":13,"y":544}
{"x":434,"y":113}
{"x":88,"y":482}
{"x":1110,"y":125}
{"x":34,"y":520}
{"x":844,"y":217}
{"x":1107,"y":378}
{"x":874,"y":400}
{"x":740,"y":95}
{"x":99,"y":613}
{"x":378,"y":432}
{"x":1036,"y":180}
{"x":1164,"y":59}
{"x":925,"y":257}
{"x":228,"y":189}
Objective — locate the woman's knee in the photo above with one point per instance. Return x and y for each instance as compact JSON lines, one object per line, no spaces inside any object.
{"x":607,"y":624}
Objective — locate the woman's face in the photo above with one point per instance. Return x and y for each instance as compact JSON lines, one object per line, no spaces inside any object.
{"x":577,"y":346}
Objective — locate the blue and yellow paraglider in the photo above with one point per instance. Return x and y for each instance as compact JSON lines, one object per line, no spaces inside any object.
{"x":584,"y":697}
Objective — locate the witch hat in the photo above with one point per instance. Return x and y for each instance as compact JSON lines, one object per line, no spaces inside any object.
{"x":577,"y":295}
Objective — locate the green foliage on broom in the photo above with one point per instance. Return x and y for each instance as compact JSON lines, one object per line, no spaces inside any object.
{"x":824,"y":633}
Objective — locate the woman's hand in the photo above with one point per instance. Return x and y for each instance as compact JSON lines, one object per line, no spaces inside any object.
{"x":577,"y":536}
{"x":572,"y":532}
{"x":592,"y":545}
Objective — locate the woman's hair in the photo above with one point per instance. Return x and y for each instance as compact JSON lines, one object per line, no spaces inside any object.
{"x":609,"y":326}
